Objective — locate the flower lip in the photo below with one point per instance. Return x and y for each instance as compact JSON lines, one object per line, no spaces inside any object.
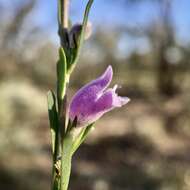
{"x":119,"y":101}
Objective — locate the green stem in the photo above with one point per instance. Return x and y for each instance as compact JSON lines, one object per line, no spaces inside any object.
{"x":66,"y":162}
{"x":55,"y":183}
{"x":65,"y":177}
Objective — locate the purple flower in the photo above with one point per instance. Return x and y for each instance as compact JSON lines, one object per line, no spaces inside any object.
{"x":94,"y":99}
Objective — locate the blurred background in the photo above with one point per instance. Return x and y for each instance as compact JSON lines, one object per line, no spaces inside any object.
{"x":142,"y":146}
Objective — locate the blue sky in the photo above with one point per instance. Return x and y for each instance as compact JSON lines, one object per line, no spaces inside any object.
{"x":113,"y":13}
{"x":108,"y":12}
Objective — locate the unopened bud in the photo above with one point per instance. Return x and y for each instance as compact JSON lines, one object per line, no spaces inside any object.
{"x":75,"y":32}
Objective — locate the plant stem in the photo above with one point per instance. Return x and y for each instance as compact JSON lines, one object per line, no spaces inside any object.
{"x":65,"y":13}
{"x":63,"y":20}
{"x":66,"y":162}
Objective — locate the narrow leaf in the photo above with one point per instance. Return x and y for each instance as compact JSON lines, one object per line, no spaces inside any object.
{"x":87,"y":130}
{"x":53,"y":118}
{"x":71,"y":125}
{"x":82,"y":136}
{"x":61,"y":74}
{"x":81,"y":38}
{"x":66,"y":161}
{"x":59,"y":11}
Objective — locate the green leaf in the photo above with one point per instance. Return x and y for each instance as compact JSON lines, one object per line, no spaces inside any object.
{"x":82,"y":136}
{"x":87,"y":130}
{"x":59,"y":11}
{"x":77,"y":51}
{"x":66,"y":158}
{"x":61,"y":74}
{"x":53,"y":118}
{"x":71,"y":125}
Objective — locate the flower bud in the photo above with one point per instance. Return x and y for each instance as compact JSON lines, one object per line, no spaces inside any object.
{"x":75,"y":32}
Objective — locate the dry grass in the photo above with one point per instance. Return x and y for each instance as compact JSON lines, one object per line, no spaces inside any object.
{"x":144,"y":145}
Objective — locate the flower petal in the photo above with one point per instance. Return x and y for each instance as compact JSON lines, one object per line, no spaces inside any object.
{"x":110,"y":100}
{"x":83,"y":100}
{"x":118,"y":101}
{"x":98,"y":85}
{"x":95,"y":109}
{"x":92,"y":101}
